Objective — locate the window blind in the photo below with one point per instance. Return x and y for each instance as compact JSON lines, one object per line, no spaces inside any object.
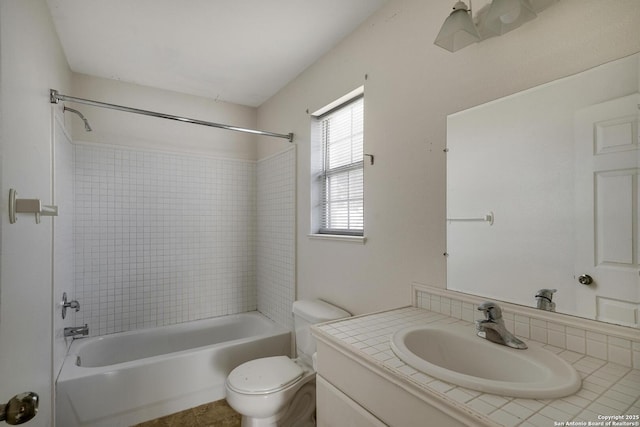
{"x":342,"y":190}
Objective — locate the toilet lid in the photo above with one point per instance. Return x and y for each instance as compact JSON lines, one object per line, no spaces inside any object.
{"x":265,"y":375}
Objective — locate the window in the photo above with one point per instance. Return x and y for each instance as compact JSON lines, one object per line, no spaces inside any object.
{"x":338,"y":182}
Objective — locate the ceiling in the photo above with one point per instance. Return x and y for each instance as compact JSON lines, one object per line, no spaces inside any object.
{"x":240,"y":51}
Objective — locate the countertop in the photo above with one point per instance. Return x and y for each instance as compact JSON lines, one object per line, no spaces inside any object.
{"x":608,"y":389}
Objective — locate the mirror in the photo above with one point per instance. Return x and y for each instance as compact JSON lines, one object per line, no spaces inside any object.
{"x":543,"y":193}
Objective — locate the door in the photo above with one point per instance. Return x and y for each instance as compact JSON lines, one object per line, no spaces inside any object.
{"x":606,"y":213}
{"x":27,"y":70}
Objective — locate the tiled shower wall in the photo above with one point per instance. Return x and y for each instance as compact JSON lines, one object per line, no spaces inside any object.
{"x":63,"y":246}
{"x":276,"y":236}
{"x":161,"y":238}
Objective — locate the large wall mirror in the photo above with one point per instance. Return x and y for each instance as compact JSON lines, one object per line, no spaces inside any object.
{"x":543,"y":193}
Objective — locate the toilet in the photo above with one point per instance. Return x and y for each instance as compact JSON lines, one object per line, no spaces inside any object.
{"x":279,"y":391}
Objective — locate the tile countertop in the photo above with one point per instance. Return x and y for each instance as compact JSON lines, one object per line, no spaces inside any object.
{"x":608,"y":389}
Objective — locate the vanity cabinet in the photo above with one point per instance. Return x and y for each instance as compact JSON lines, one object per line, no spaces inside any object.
{"x":334,"y":408}
{"x":353,"y":392}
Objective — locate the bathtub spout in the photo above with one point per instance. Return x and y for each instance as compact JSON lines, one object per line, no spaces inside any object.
{"x":77,"y":331}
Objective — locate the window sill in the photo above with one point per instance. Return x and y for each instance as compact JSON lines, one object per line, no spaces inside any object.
{"x":339,"y":238}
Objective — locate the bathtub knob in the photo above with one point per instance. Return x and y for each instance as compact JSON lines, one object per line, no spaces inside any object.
{"x":20,"y":409}
{"x":71,"y":304}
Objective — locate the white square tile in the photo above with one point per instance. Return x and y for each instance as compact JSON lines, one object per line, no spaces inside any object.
{"x":440,"y":386}
{"x":576,"y":332}
{"x":460,"y":395}
{"x":504,"y":418}
{"x":621,"y":397}
{"x":619,"y":342}
{"x":494,"y":400}
{"x":557,"y":339}
{"x":600,"y":409}
{"x":539,"y":420}
{"x":539,"y":323}
{"x":619,"y":355}
{"x":596,"y":349}
{"x":566,"y":407}
{"x":554,"y":413}
{"x":612,"y":403}
{"x":593,"y":336}
{"x":521,"y":329}
{"x":531,"y":404}
{"x":578,"y":401}
{"x":571,"y":356}
{"x":538,"y":334}
{"x":576,"y":343}
{"x":481,"y":406}
{"x":518,"y":410}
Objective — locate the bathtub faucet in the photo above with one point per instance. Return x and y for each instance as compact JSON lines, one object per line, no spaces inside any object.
{"x":77,"y":331}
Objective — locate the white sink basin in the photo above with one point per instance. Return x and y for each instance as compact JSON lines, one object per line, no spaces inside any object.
{"x":453,"y":353}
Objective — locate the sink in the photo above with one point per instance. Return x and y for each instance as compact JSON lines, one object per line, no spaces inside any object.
{"x":453,"y":353}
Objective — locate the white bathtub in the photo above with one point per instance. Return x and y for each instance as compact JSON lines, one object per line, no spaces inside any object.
{"x":130,"y":377}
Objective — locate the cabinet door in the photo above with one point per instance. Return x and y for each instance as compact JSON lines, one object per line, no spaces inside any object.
{"x":335,"y":408}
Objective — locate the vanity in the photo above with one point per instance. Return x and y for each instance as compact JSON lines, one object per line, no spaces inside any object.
{"x":362,"y":382}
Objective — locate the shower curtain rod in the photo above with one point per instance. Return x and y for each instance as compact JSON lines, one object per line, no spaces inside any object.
{"x":56,"y":97}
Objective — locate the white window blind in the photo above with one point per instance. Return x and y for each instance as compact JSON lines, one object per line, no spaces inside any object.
{"x":341,"y":180}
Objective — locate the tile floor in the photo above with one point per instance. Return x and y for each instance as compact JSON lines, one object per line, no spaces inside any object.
{"x":214,"y":414}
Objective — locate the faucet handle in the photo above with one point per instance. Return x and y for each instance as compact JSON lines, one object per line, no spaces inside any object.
{"x":491,"y":310}
{"x":68,"y":304}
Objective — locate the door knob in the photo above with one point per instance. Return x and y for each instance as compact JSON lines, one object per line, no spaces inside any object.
{"x":20,"y":408}
{"x":585,"y":279}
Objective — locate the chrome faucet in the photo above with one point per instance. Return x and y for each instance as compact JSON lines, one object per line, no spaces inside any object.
{"x":544,"y":297}
{"x":77,"y":331}
{"x":492,"y":327}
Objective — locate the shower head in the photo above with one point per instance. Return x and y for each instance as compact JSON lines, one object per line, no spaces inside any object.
{"x":87,"y":127}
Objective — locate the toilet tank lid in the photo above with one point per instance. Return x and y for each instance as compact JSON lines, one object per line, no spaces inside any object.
{"x":318,"y":311}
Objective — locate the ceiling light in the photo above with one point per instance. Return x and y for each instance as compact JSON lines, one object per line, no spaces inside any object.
{"x":506,"y":15}
{"x":458,"y":29}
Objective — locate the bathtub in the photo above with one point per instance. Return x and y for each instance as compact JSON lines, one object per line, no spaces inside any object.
{"x":130,"y":377}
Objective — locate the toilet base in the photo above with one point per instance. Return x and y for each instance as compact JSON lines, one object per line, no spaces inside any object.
{"x":299,"y":413}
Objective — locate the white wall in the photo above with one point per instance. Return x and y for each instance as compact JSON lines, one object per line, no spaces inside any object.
{"x":134,"y":130}
{"x":412,"y":86}
{"x":31,"y":61}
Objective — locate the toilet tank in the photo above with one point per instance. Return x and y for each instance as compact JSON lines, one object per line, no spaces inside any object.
{"x":311,"y":312}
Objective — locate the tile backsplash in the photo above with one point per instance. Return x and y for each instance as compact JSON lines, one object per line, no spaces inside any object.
{"x":161,"y":238}
{"x":616,"y":344}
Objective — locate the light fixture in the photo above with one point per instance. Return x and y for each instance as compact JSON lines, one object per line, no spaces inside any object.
{"x":506,"y":15}
{"x":458,"y":30}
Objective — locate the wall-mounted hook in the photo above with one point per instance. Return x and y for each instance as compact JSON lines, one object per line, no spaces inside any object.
{"x":371,"y":158}
{"x":33,"y":206}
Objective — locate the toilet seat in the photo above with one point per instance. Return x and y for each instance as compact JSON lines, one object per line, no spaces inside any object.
{"x":264,"y":376}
